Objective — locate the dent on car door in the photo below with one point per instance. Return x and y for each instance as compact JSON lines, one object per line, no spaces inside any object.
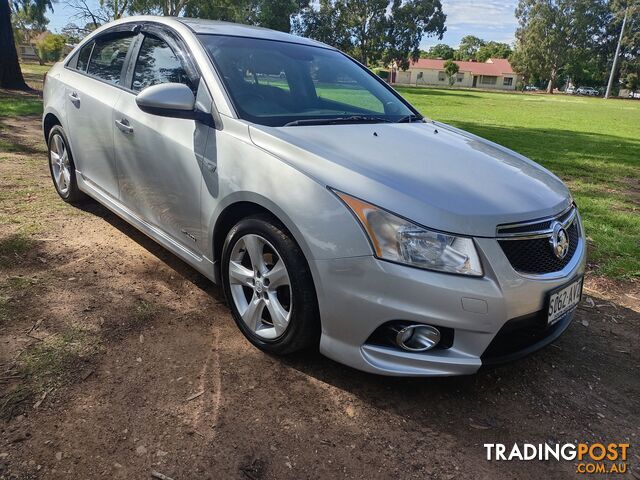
{"x":158,"y":157}
{"x":91,"y":93}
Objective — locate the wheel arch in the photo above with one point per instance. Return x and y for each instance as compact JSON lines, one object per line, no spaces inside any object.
{"x":243,"y":205}
{"x":48,"y":122}
{"x":240,"y":208}
{"x":228,"y":217}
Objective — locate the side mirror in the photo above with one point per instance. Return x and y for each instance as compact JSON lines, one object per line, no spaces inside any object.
{"x":168,"y":100}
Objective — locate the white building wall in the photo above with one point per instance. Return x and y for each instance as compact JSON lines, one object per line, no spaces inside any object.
{"x":433,"y":78}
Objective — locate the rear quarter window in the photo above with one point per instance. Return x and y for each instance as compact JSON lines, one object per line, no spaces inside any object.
{"x":83,"y":57}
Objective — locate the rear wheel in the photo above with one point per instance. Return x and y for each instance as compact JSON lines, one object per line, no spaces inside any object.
{"x":268,"y":286}
{"x":62,"y":168}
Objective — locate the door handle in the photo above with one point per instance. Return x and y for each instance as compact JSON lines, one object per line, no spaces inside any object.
{"x":123,"y":126}
{"x":75,"y":99}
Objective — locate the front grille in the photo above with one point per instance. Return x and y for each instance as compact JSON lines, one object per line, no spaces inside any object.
{"x":536,"y":255}
{"x":528,"y":247}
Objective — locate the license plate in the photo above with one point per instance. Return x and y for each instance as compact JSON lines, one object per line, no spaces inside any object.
{"x":563,"y":300}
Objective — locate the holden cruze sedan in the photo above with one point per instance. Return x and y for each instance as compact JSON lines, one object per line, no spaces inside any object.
{"x":331,"y":212}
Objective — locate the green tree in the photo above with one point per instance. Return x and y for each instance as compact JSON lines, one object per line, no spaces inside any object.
{"x":274,"y":14}
{"x":50,"y":47}
{"x":441,"y":50}
{"x":239,"y":11}
{"x":171,"y":8}
{"x":493,"y":49}
{"x":116,"y":8}
{"x":409,"y":22}
{"x":469,"y":47}
{"x":322,"y":22}
{"x":451,"y":69}
{"x":373,"y":30}
{"x":28,"y":21}
{"x":553,"y":35}
{"x":364,"y":22}
{"x":10,"y":72}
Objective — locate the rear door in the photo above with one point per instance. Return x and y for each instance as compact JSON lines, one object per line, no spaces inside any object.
{"x":159,"y":158}
{"x":92,"y":90}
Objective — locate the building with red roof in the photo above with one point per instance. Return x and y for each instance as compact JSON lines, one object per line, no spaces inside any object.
{"x":495,"y":73}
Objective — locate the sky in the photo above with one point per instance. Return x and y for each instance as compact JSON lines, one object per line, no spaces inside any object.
{"x":487,"y":19}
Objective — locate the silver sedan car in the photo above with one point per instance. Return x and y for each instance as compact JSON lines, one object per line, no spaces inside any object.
{"x":330,"y":211}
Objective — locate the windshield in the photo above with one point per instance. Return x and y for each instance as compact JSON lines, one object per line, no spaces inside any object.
{"x":277,"y":83}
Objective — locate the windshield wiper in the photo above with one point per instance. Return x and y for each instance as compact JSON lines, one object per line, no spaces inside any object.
{"x":337,"y":120}
{"x":409,"y":118}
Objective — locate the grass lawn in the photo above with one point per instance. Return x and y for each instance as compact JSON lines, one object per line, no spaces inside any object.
{"x":33,"y":73}
{"x":15,"y":103}
{"x":592,"y":144}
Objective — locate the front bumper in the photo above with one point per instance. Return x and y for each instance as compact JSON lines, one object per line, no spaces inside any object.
{"x":357,"y":295}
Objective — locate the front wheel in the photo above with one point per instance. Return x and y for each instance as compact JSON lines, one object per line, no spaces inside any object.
{"x":268,"y":286}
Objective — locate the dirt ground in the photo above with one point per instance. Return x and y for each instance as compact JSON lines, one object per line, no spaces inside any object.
{"x":117,"y":360}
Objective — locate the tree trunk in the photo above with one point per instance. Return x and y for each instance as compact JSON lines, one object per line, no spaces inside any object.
{"x":10,"y":73}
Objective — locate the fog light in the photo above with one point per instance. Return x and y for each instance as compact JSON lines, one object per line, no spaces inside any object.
{"x":418,"y":338}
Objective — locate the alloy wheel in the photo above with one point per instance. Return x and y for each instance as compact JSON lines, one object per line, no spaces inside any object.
{"x":260,"y":286}
{"x":60,"y":164}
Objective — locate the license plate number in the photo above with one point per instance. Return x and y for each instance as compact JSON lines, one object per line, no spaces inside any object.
{"x":564,"y":300}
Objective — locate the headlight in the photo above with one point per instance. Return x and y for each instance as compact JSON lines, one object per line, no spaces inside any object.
{"x":398,"y":240}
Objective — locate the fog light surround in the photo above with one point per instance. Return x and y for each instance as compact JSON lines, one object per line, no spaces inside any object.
{"x":418,"y":338}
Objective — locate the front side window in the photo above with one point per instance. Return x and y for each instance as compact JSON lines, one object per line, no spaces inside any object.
{"x":157,"y":64}
{"x":108,"y":58}
{"x":276,"y":83}
{"x":508,"y":81}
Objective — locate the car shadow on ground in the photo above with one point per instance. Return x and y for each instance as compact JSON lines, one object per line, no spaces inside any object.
{"x":597,"y":357}
{"x":157,"y":250}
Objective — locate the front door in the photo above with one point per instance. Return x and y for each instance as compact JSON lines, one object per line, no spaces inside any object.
{"x":91,"y":93}
{"x":475,"y":80}
{"x":159,"y":169}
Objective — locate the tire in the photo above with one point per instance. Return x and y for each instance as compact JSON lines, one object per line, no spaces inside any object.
{"x":258,"y":296}
{"x":62,"y":168}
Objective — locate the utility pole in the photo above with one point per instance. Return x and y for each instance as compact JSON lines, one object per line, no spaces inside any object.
{"x":614,"y":67}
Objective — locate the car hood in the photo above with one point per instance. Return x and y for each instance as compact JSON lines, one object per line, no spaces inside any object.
{"x":430,"y":173}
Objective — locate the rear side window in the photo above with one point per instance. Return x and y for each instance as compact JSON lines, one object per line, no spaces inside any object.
{"x":83,"y":57}
{"x":108,"y":58}
{"x":157,"y":64}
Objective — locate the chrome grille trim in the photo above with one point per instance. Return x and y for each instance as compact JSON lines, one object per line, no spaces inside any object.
{"x":566,"y":218}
